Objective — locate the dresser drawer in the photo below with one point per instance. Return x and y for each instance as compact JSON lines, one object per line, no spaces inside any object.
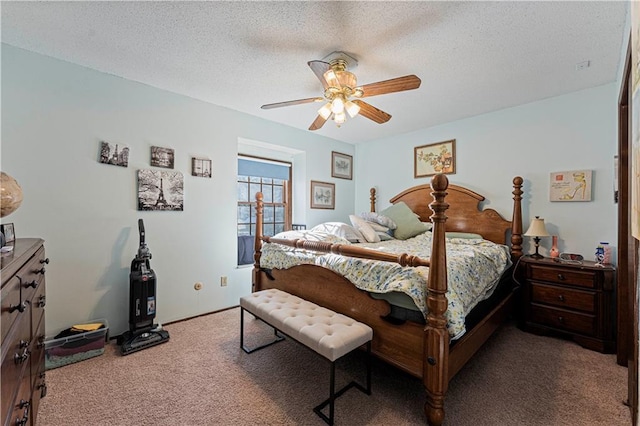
{"x":15,"y":360}
{"x":11,"y":306}
{"x":563,"y":297}
{"x":573,"y":277}
{"x":32,"y":274}
{"x":564,"y":320}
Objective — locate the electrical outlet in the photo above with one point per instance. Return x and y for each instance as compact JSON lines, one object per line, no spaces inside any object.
{"x":198,"y":285}
{"x":223,"y":281}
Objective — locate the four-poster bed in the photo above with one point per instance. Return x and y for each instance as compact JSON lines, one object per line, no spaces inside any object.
{"x":424,"y":351}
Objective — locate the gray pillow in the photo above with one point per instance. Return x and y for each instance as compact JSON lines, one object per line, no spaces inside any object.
{"x":407,"y":222}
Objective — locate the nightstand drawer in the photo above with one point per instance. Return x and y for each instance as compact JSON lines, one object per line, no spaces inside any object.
{"x":563,"y":297}
{"x":563,"y":276}
{"x":563,"y":319}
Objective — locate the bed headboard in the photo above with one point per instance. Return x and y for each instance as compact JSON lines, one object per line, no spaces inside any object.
{"x":464,"y":214}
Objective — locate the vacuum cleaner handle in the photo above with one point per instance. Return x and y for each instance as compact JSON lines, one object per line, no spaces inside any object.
{"x":141,"y":231}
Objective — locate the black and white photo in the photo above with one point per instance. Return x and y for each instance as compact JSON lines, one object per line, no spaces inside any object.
{"x":116,"y":154}
{"x":162,"y":157}
{"x":341,"y":165}
{"x":160,"y":190}
{"x":9,"y":232}
{"x":200,"y":167}
{"x":322,"y":195}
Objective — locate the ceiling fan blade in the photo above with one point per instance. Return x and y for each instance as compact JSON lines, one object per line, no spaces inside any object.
{"x":289,"y":103}
{"x":408,"y":82}
{"x":317,"y":123}
{"x":371,"y":112}
{"x":319,"y":68}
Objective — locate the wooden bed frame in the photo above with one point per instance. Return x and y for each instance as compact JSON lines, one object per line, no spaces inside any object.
{"x":424,"y":351}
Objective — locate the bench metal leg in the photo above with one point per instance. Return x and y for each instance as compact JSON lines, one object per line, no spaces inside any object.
{"x":333,"y":394}
{"x":278,"y":337}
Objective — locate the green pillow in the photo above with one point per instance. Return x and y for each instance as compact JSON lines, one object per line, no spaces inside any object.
{"x":407,"y":222}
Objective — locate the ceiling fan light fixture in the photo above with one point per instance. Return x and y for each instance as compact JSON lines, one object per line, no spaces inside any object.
{"x":339,"y":118}
{"x":352,"y":108}
{"x":337,"y":105}
{"x":325,"y":111}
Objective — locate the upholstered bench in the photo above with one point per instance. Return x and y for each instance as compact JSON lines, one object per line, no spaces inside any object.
{"x":328,"y":333}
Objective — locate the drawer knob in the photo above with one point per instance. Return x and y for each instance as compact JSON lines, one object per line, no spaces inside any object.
{"x":42,"y":301}
{"x":40,"y":271}
{"x":561,"y":277}
{"x":561,"y":298}
{"x":32,"y":284}
{"x":45,"y":260}
{"x":561,"y":320}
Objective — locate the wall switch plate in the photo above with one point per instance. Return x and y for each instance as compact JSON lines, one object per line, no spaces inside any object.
{"x":223,"y":281}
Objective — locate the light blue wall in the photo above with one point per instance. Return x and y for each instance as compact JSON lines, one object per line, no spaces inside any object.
{"x":54,"y":115}
{"x":571,"y":132}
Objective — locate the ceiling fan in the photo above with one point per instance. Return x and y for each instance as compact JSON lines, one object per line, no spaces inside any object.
{"x":342,"y":95}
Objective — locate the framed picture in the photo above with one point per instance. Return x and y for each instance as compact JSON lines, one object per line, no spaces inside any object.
{"x":341,"y":165}
{"x":162,"y":157}
{"x":573,"y":185}
{"x":160,"y":190}
{"x":115,"y":154}
{"x":200,"y":167}
{"x":9,"y":232}
{"x":434,"y":158}
{"x":323,"y":195}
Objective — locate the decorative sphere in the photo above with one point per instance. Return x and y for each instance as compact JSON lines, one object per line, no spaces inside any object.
{"x":10,"y":195}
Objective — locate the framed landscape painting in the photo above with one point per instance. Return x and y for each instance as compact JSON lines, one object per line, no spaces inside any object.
{"x":341,"y":165}
{"x":323,"y":195}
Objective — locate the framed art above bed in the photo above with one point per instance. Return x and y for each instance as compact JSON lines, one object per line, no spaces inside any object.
{"x":434,"y":158}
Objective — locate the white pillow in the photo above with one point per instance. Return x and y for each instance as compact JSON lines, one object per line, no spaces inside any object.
{"x":365,"y":229}
{"x":340,"y":229}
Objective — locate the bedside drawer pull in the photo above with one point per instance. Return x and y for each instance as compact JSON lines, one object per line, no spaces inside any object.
{"x":40,"y":271}
{"x":20,"y":308}
{"x":561,"y":320}
{"x":45,"y":260}
{"x":561,"y":277}
{"x":32,"y":284}
{"x":42,"y":301}
{"x":561,"y":298}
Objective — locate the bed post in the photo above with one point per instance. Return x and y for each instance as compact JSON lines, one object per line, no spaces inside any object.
{"x":372,"y":200}
{"x":436,"y":337}
{"x":516,"y":221}
{"x":257,"y":248}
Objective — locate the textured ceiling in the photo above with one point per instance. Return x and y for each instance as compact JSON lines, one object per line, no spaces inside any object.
{"x":472,"y":57}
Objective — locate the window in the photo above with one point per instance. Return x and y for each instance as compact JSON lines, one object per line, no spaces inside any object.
{"x":272,"y":178}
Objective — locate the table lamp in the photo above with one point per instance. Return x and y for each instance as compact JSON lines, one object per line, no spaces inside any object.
{"x":537,"y":230}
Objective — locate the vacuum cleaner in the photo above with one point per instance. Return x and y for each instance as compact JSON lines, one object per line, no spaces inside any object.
{"x":143,"y":333}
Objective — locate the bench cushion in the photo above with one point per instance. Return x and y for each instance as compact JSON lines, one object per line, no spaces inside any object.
{"x":328,"y":333}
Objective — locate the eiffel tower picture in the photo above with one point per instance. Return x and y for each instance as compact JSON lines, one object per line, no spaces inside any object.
{"x":161,"y":200}
{"x":167,"y":195}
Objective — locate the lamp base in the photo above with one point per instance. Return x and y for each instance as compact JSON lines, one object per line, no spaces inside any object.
{"x":536,"y":256}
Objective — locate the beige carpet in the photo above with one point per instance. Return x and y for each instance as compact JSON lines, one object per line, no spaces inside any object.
{"x":202,"y":377}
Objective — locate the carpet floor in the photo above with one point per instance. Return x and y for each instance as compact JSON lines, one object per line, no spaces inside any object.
{"x":202,"y":377}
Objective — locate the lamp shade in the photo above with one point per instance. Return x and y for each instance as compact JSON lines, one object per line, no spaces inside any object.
{"x":537,"y":228}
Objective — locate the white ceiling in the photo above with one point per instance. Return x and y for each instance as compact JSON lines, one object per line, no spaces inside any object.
{"x":472,"y":57}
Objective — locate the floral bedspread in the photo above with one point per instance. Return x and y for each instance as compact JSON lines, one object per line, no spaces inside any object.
{"x":474,"y":269}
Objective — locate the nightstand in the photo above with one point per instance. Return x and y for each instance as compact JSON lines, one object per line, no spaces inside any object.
{"x":574,"y":301}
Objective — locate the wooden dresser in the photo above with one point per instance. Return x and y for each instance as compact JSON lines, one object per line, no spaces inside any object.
{"x":576,"y":301}
{"x":22,"y":378}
